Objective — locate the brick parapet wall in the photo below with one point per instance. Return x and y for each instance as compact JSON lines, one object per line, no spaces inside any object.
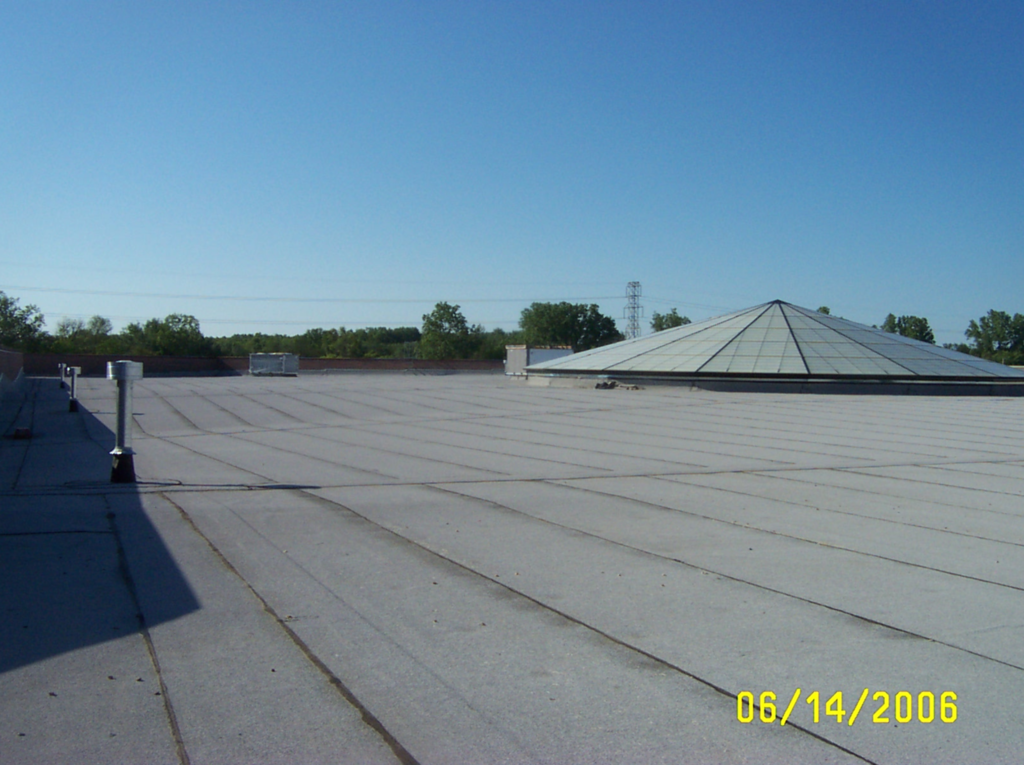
{"x":400,"y":365}
{"x":11,"y":363}
{"x":46,"y":364}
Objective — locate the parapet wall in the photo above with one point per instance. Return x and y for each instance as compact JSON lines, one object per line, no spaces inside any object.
{"x":46,"y":364}
{"x":11,"y":363}
{"x":400,"y":365}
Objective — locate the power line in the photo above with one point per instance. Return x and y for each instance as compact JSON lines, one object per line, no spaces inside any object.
{"x":289,"y":322}
{"x":298,"y":279}
{"x":677,"y":303}
{"x":278,"y":299}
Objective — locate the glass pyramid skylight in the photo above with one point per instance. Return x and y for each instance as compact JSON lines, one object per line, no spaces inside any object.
{"x":777,"y":339}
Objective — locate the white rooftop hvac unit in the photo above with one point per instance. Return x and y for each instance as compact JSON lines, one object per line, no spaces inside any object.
{"x":519,"y":357}
{"x":273,"y":364}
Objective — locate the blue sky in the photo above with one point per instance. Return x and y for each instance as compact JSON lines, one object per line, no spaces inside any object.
{"x":278,"y":166}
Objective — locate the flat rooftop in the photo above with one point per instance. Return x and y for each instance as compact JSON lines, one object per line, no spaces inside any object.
{"x":389,"y":568}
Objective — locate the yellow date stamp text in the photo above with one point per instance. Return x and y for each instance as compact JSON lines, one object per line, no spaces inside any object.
{"x":901,"y":707}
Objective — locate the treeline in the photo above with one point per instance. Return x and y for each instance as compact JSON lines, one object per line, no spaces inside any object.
{"x":445,"y":334}
{"x":180,"y":335}
{"x":996,"y":336}
{"x":174,"y":335}
{"x":369,"y":343}
{"x":374,"y":342}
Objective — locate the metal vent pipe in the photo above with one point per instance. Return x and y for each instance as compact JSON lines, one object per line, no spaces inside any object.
{"x":125,"y":373}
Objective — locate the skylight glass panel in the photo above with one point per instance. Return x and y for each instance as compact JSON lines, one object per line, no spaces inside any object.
{"x":775,"y":358}
{"x":799,"y":320}
{"x":689,"y":363}
{"x":868,"y":366}
{"x":816,"y":363}
{"x":844,"y":366}
{"x":993,"y":368}
{"x":792,"y":364}
{"x":864,"y":362}
{"x":742,"y":364}
{"x":720,"y":361}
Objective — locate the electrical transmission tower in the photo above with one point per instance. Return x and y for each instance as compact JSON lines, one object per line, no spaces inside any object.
{"x":633,"y":310}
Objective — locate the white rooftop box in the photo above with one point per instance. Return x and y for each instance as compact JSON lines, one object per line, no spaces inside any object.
{"x":273,"y":364}
{"x":519,"y":357}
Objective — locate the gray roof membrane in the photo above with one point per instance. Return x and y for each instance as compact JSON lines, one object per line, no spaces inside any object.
{"x":778,"y":339}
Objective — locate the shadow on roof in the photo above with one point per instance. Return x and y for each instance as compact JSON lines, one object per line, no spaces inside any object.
{"x":65,"y":550}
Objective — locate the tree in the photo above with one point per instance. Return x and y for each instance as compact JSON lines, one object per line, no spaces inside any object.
{"x":243,"y":345}
{"x":825,"y":310}
{"x":914,"y":327}
{"x":349,"y":345}
{"x":176,"y":335}
{"x":384,"y":342}
{"x":99,"y":337}
{"x":99,"y":326}
{"x":492,"y":344}
{"x":577,"y":325}
{"x":661,"y":321}
{"x":314,"y":343}
{"x":445,"y":333}
{"x":70,"y":328}
{"x":997,"y":336}
{"x":70,"y":336}
{"x":20,"y":328}
{"x":77,"y":336}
